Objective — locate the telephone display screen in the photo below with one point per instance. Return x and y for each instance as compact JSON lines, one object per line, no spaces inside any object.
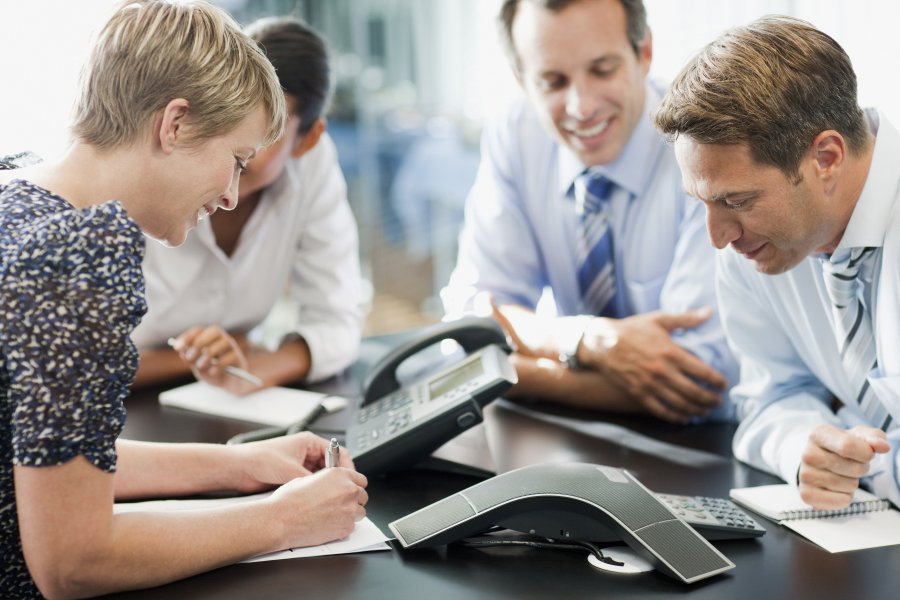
{"x":465,"y":372}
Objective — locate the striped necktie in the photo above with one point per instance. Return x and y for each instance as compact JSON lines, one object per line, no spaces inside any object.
{"x":596,"y":276}
{"x":853,"y":326}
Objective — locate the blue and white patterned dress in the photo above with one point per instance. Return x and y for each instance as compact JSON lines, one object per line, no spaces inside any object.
{"x":71,"y":291}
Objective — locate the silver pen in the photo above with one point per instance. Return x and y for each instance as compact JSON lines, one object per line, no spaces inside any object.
{"x":332,"y":454}
{"x":230,"y":369}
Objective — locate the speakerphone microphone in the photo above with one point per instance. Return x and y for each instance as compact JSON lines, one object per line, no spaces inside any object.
{"x":569,"y":501}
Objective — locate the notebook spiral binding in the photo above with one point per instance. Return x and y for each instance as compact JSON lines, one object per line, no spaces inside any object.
{"x":854,"y":509}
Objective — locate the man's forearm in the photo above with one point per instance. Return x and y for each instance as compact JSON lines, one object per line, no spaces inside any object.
{"x":550,"y":380}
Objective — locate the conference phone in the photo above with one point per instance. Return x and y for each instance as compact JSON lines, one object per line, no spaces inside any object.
{"x":398,"y":425}
{"x":569,"y":501}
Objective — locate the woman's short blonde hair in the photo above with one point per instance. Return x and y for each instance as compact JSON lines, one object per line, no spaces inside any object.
{"x":153,"y":51}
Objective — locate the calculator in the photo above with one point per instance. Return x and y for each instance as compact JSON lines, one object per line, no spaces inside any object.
{"x":713,"y":518}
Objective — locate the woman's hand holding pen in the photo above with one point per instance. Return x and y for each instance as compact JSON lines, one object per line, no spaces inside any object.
{"x":278,"y":460}
{"x":216,"y":358}
{"x":321,"y":507}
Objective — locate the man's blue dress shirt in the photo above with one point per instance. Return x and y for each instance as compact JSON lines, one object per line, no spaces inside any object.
{"x":782,"y":330}
{"x":520,"y":234}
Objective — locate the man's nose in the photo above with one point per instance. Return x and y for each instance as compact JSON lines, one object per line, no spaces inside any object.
{"x":580,"y":103}
{"x":723,"y":228}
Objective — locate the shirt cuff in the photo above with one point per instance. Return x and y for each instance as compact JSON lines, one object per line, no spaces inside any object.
{"x":569,"y":339}
{"x":884,"y":480}
{"x":330,"y":351}
{"x":790,"y":457}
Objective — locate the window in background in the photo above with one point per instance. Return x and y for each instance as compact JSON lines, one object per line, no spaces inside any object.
{"x":43,"y":44}
{"x":415,"y":81}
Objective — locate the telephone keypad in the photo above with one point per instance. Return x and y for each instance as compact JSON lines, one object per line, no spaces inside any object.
{"x":713,"y":518}
{"x":385,"y":418}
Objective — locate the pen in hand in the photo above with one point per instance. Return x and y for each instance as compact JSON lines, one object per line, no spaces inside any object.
{"x":230,"y":369}
{"x":332,"y":454}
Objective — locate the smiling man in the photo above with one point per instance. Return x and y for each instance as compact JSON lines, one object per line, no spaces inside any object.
{"x":802,"y":185}
{"x":579,"y":195}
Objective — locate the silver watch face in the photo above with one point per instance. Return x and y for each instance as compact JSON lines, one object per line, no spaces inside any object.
{"x":570,"y":360}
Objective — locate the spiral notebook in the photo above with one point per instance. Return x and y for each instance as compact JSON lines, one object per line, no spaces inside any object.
{"x":869,"y":521}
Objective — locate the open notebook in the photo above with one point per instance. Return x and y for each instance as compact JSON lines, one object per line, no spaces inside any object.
{"x":276,"y":406}
{"x":869,"y":521}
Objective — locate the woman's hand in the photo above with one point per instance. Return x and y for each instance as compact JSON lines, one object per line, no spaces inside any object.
{"x":278,"y":460}
{"x":315,"y":504}
{"x":320,"y":508}
{"x":208,"y":350}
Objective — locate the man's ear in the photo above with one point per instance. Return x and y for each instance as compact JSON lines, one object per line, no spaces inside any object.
{"x":828,"y":151}
{"x":172,"y":124}
{"x":517,"y":74}
{"x":645,"y":52}
{"x":309,"y":139}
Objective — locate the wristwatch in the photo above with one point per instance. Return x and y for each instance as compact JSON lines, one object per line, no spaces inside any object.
{"x":568,"y":349}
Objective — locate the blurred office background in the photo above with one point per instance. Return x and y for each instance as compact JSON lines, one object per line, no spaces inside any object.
{"x":415,"y":81}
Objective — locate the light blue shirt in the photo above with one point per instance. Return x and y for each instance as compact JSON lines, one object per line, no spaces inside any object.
{"x":520,"y":230}
{"x":781,"y":328}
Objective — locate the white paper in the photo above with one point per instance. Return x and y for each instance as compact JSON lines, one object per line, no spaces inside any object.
{"x":469,"y":448}
{"x":853,"y":532}
{"x":277,"y":406}
{"x":366,"y":536}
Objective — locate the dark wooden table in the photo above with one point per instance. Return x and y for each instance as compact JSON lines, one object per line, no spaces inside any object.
{"x":781,"y":564}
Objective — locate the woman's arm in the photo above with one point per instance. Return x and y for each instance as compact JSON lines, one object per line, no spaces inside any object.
{"x":288,"y":364}
{"x":75,"y":546}
{"x":158,"y":365}
{"x":151,"y":469}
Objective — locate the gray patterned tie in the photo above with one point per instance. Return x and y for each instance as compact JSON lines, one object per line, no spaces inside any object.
{"x":853,"y":326}
{"x":596,"y":276}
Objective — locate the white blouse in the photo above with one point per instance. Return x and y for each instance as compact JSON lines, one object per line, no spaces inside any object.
{"x":301,"y":242}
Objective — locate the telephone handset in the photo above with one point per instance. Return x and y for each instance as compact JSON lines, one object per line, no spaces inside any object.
{"x":471,"y":333}
{"x":396,"y":426}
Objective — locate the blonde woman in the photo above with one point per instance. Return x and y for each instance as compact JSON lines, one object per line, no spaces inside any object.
{"x":174,"y":102}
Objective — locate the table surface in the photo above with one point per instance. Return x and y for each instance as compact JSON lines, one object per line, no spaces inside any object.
{"x":780,"y":564}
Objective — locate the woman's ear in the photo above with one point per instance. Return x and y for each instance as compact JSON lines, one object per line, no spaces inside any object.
{"x":309,"y":139}
{"x":172,"y":124}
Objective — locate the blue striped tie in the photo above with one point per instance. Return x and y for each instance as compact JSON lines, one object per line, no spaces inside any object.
{"x":853,"y":326}
{"x":596,"y":271}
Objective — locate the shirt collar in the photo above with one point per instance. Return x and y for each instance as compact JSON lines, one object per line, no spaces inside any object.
{"x":868,"y":222}
{"x":633,"y":168}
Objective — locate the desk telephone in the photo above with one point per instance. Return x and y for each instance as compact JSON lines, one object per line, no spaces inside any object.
{"x":396,"y":426}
